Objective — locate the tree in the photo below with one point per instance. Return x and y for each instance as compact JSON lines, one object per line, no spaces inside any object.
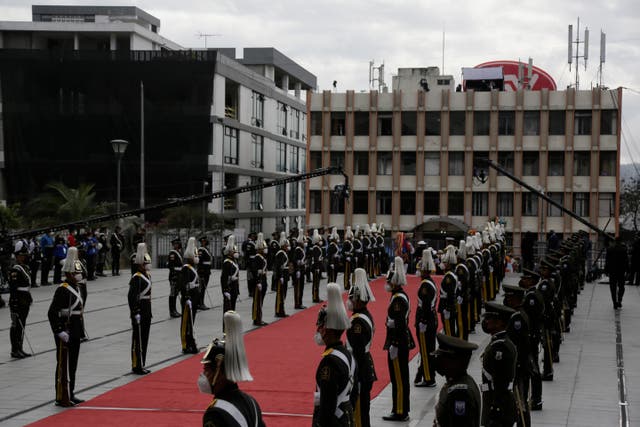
{"x":10,"y":217}
{"x":630,"y":202}
{"x":63,"y":204}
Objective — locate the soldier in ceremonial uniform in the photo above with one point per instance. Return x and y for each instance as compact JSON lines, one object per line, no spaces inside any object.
{"x":333,"y":256}
{"x":224,"y":366}
{"x":229,"y":278}
{"x":65,"y":318}
{"x":336,"y":372}
{"x":19,"y":298}
{"x":281,"y":272}
{"x":261,"y":280}
{"x":274,"y":247}
{"x":174,"y":263}
{"x":459,"y":400}
{"x":398,"y":342}
{"x":359,"y":338}
{"x":463,"y":308}
{"x":383,"y":260}
{"x":347,"y":257}
{"x":249,"y":252}
{"x":298,"y":259}
{"x":140,"y":310}
{"x":189,"y":296}
{"x":366,"y":250}
{"x":204,"y":270}
{"x":117,"y":243}
{"x":358,"y":249}
{"x":426,"y":321}
{"x":316,"y":266}
{"x":498,"y":368}
{"x":448,"y":293}
{"x":616,"y":267}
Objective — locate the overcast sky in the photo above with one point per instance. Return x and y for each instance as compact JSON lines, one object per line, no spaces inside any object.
{"x":335,"y":40}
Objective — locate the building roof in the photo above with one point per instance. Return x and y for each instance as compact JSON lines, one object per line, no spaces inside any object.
{"x":39,"y":11}
{"x":271,"y":56}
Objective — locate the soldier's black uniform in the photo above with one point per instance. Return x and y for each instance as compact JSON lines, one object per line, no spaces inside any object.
{"x":447,"y":305}
{"x":189,"y":296}
{"x":232,"y":408}
{"x":274,"y":247}
{"x":383,"y":260}
{"x":204,"y":272}
{"x":347,"y":259}
{"x":333,"y":261}
{"x":281,"y":274}
{"x":117,"y":243}
{"x":358,"y":253}
{"x":426,"y":327}
{"x":463,"y":308}
{"x":230,"y":283}
{"x":174,"y":263}
{"x":261,"y":289}
{"x":359,"y":338}
{"x":139,"y":305}
{"x":249,"y":251}
{"x":299,"y":261}
{"x":19,"y":302}
{"x":316,"y":273}
{"x":334,"y":381}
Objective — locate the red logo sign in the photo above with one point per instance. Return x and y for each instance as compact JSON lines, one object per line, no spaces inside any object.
{"x":540,"y":79}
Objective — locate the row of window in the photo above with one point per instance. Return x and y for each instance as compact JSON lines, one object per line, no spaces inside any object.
{"x":296,"y":197}
{"x":457,"y":123}
{"x":455,"y":203}
{"x":530,"y":162}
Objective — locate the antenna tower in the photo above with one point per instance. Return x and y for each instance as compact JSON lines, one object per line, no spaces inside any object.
{"x":577,"y":56}
{"x":603,"y":42}
{"x":376,"y":77}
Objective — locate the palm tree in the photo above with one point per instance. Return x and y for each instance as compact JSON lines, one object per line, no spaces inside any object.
{"x":63,"y":204}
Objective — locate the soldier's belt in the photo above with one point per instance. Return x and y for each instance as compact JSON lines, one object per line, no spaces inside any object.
{"x":192,"y":285}
{"x":206,"y":263}
{"x":66,"y":313}
{"x":145,"y":297}
{"x":23,"y":288}
{"x":490,"y":387}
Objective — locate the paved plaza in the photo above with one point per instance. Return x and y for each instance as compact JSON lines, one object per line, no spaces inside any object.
{"x":591,"y":381}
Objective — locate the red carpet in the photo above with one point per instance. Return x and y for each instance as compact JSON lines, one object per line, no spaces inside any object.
{"x":282,"y":358}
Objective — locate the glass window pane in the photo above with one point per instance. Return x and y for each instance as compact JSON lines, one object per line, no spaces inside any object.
{"x":360,"y":202}
{"x":531,"y":123}
{"x":456,"y":163}
{"x":407,"y":203}
{"x":433,"y":123}
{"x":557,"y":122}
{"x":361,"y":123}
{"x":409,"y":123}
{"x":556,"y":163}
{"x":407,"y":163}
{"x":506,"y":122}
{"x":384,"y":163}
{"x":360,"y":163}
{"x":481,"y":123}
{"x":456,"y":203}
{"x":505,"y":204}
{"x":432,"y":163}
{"x":530,"y":163}
{"x":457,"y":122}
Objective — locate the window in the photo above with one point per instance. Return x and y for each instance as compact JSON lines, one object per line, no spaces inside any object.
{"x":432,"y":163}
{"x":316,"y":123}
{"x":360,"y":163}
{"x":303,"y":160}
{"x":384,"y":163}
{"x":481,"y":123}
{"x":606,"y":204}
{"x":281,"y":196}
{"x":506,"y":122}
{"x":230,"y":145}
{"x":255,"y":202}
{"x":257,"y":109}
{"x":479,"y":161}
{"x":531,"y":123}
{"x":432,"y":123}
{"x":294,"y":166}
{"x":554,"y":210}
{"x":529,"y":204}
{"x":255,"y":224}
{"x":385,"y":124}
{"x":530,"y":163}
{"x":456,"y":203}
{"x":456,"y":123}
{"x":281,"y":157}
{"x":505,"y":204}
{"x":257,"y":151}
{"x":231,"y":181}
{"x":456,"y":163}
{"x":336,"y":204}
{"x":581,"y":204}
{"x":337,"y":160}
{"x":407,"y":203}
{"x":383,"y":202}
{"x":432,"y":203}
{"x":557,"y":122}
{"x":582,"y":122}
{"x":608,"y":122}
{"x":581,"y":163}
{"x":479,"y":204}
{"x":295,"y":124}
{"x":443,"y":82}
{"x":407,"y":163}
{"x":608,"y":163}
{"x":293,"y":195}
{"x":505,"y":159}
{"x":556,"y":163}
{"x":315,"y":160}
{"x":283,"y":113}
{"x":360,"y":202}
{"x":361,"y":123}
{"x":231,"y":90}
{"x":337,"y":123}
{"x":409,"y":123}
{"x":315,"y":201}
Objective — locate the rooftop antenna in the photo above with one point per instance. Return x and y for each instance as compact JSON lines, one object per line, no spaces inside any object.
{"x":577,"y":56}
{"x":603,"y":42}
{"x":376,"y":76}
{"x":206,"y":36}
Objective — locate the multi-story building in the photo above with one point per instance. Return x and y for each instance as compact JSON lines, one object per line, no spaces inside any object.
{"x":410,"y":158}
{"x":77,"y":77}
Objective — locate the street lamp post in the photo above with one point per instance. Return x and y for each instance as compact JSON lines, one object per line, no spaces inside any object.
{"x":205,"y":184}
{"x":119,"y":147}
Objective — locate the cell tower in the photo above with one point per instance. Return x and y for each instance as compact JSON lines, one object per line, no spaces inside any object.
{"x":577,"y":56}
{"x":603,"y":42}
{"x":376,"y":77}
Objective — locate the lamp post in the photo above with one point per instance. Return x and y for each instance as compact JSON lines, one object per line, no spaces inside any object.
{"x":205,"y":184}
{"x":119,"y":147}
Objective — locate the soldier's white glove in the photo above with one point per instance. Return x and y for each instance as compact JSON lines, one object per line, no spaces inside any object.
{"x":266,"y":250}
{"x":422,"y":327}
{"x":137,"y":317}
{"x":348,"y":259}
{"x":227,"y":295}
{"x":259,"y":286}
{"x":297,"y":274}
{"x":391,"y":323}
{"x":393,"y":352}
{"x":64,"y":336}
{"x":447,"y":314}
{"x":332,"y":266}
{"x":189,"y":303}
{"x":459,"y":299}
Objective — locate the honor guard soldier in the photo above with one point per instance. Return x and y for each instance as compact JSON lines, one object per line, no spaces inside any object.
{"x":426,"y":321}
{"x":336,"y":372}
{"x":398,"y":342}
{"x":333,"y":256}
{"x":224,"y":365}
{"x":366,"y":249}
{"x":230,"y":276}
{"x":316,"y":266}
{"x":65,"y":318}
{"x":204,"y":270}
{"x":463,"y":308}
{"x":117,"y":243}
{"x":174,"y":263}
{"x":347,"y":257}
{"x":616,"y":267}
{"x":383,"y":260}
{"x":140,"y":310}
{"x":358,"y":250}
{"x":299,"y":262}
{"x":498,"y":368}
{"x":459,"y":401}
{"x":274,"y":247}
{"x":189,"y":296}
{"x":261,"y":281}
{"x":281,"y":273}
{"x":448,"y":293}
{"x":249,"y":251}
{"x":19,"y":298}
{"x":359,"y":338}
{"x":373,"y":242}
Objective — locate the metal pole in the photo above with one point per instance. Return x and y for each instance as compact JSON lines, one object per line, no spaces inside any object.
{"x":142,"y":146}
{"x":205,"y":184}
{"x":119,"y":159}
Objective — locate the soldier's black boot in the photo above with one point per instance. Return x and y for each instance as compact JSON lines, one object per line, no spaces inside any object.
{"x":172,"y":307}
{"x":14,"y":337}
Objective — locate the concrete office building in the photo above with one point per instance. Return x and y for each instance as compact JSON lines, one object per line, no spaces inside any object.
{"x":409,"y":156}
{"x":77,"y":76}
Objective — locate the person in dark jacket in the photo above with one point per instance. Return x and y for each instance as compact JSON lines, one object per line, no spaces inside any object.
{"x":616,"y":267}
{"x":139,"y":298}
